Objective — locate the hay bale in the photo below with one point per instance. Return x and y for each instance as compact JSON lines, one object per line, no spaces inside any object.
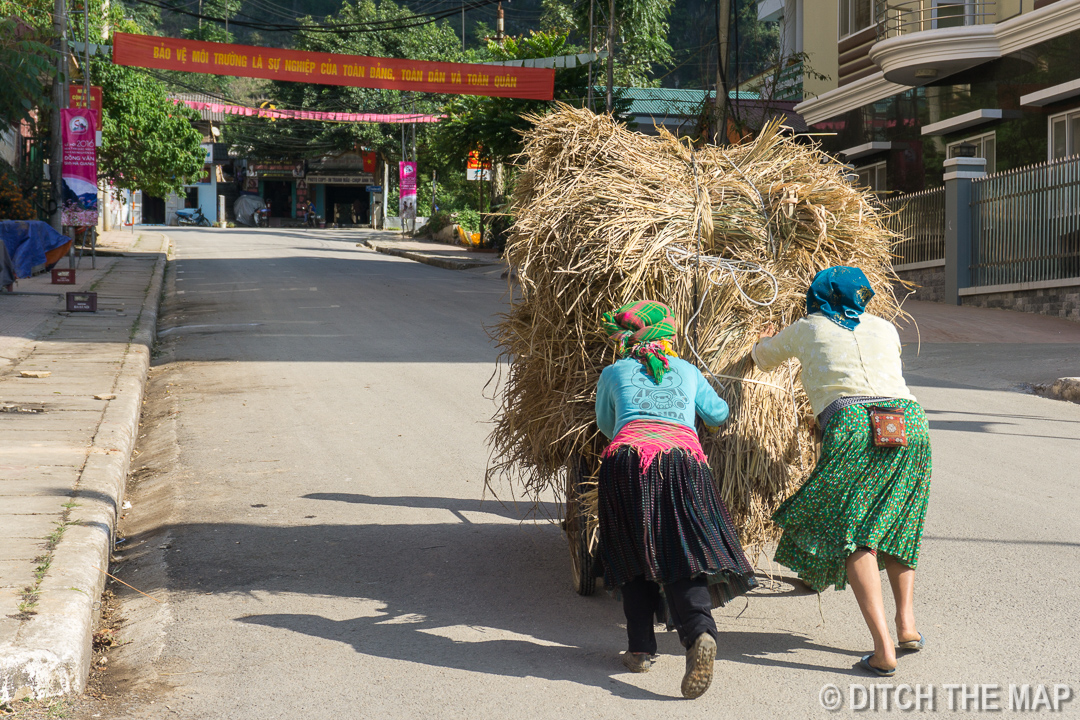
{"x":606,"y":216}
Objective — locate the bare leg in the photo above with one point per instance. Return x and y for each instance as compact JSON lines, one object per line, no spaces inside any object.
{"x":902,"y":579}
{"x":865,"y":580}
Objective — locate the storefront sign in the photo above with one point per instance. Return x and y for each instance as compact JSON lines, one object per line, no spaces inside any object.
{"x":76,"y":97}
{"x":79,"y":174}
{"x":332,"y":69}
{"x":475,"y":169}
{"x":275,"y":171}
{"x":407,"y":187}
{"x":357,"y":179}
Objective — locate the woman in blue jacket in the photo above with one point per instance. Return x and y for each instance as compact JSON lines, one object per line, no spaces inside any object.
{"x":662,"y":523}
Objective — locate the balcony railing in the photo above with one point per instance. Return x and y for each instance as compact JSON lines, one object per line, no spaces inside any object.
{"x":902,"y":17}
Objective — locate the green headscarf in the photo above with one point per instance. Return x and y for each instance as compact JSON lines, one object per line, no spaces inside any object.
{"x":641,"y":330}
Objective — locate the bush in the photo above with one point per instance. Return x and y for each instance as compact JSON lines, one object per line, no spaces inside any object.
{"x":13,"y":205}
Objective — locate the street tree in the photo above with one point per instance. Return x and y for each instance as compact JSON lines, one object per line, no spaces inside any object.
{"x":28,"y":69}
{"x":148,"y":142}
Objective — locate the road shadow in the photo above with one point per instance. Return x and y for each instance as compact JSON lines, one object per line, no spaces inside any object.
{"x":487,"y":593}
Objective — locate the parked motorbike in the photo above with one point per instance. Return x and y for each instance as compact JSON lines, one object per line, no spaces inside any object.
{"x":262,"y":217}
{"x":192,"y":216}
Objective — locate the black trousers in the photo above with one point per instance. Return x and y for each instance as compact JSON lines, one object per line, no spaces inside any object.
{"x":688,"y":601}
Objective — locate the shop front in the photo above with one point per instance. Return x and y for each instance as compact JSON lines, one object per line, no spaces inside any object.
{"x":282,"y":186}
{"x":339,"y":185}
{"x":342,"y":199}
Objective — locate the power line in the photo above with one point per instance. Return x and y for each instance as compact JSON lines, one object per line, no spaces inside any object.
{"x":401,"y":23}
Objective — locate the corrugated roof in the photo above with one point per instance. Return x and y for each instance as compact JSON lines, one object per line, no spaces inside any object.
{"x":663,"y":102}
{"x":205,"y":114}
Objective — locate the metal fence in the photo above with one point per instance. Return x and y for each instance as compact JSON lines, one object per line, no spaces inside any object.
{"x":1026,"y":224}
{"x":919,"y":218}
{"x":901,"y":17}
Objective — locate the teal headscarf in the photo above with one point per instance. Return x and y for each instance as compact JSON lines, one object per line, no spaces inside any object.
{"x":841,"y":294}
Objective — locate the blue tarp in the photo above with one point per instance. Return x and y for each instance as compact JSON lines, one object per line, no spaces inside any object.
{"x":27,"y":241}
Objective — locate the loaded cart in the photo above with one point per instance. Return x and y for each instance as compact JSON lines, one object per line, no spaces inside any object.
{"x":729,"y":238}
{"x":579,"y":523}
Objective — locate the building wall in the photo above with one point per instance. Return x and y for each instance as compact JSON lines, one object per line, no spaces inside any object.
{"x":1063,"y":302}
{"x":930,"y":284}
{"x":819,"y":43}
{"x":208,"y":198}
{"x":915,"y":161}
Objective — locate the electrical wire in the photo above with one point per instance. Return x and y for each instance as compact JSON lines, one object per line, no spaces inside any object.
{"x":401,"y":23}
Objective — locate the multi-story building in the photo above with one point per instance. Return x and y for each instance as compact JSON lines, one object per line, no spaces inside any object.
{"x":908,"y":81}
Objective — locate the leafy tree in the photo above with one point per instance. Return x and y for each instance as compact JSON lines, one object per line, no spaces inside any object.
{"x":28,"y":65}
{"x":641,"y":37}
{"x":148,"y":142}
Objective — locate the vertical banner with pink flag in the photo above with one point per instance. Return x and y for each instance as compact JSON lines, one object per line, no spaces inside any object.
{"x":407,"y":194}
{"x":79,"y":205}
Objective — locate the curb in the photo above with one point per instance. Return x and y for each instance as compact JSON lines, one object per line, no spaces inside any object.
{"x":434,"y":260}
{"x":55,"y":648}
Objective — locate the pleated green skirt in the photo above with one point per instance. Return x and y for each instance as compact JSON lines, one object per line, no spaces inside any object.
{"x":859,"y":496}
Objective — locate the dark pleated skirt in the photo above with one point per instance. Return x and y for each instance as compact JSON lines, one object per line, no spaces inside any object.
{"x":667,"y":524}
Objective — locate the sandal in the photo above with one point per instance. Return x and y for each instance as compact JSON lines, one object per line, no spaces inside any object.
{"x":880,"y":672}
{"x":912,"y":645}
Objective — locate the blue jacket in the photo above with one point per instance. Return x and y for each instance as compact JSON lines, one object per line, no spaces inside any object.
{"x":626,"y":392}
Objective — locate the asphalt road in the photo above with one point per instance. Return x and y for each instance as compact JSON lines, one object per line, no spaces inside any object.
{"x":311,"y":514}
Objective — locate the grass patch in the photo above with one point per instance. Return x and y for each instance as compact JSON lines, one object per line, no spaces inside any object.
{"x":31,"y":593}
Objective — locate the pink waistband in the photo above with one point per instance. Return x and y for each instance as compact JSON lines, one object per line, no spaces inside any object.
{"x":653,"y":437}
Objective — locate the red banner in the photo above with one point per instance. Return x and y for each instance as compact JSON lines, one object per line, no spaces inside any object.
{"x":76,"y":99}
{"x":341,"y":117}
{"x":332,"y":69}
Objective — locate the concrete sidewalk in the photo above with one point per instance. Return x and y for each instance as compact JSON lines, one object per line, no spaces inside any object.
{"x":450,"y":257}
{"x":70,"y":394}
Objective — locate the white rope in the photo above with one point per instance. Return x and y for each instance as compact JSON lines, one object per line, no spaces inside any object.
{"x":722,"y":269}
{"x":719,"y":271}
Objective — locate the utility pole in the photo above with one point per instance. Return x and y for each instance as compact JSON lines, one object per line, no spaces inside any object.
{"x":60,"y":101}
{"x":592,"y":51}
{"x":608,"y":104}
{"x":86,"y":57}
{"x":462,"y":25}
{"x":720,"y":105}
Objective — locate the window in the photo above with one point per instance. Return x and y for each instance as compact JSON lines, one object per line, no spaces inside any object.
{"x":872,"y":177}
{"x":855,"y":15}
{"x":985,"y":148}
{"x":952,"y":13}
{"x":1064,"y":138}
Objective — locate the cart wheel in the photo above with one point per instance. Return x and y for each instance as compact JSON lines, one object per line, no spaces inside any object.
{"x":582,"y":563}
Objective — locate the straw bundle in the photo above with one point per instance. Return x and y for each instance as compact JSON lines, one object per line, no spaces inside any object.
{"x":606,"y":216}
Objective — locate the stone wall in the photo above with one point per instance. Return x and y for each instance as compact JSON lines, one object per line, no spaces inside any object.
{"x":1063,"y":302}
{"x":930,"y":282}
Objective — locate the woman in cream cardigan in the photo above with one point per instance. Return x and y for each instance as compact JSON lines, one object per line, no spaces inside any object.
{"x":862,"y":508}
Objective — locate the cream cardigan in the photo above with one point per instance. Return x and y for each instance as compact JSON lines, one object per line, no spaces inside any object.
{"x":837,"y":362}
